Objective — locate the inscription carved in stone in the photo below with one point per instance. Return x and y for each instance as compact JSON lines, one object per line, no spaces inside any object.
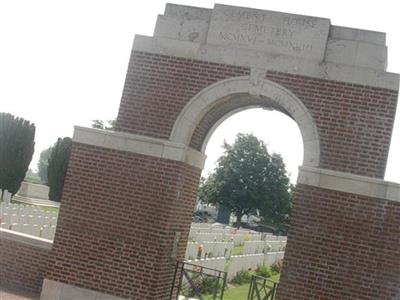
{"x":269,"y":31}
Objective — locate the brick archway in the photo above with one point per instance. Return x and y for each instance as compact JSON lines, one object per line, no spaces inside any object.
{"x":206,"y":110}
{"x":129,"y":195}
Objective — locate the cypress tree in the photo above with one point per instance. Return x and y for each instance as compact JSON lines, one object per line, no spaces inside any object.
{"x":57,"y":169}
{"x":16,"y":149}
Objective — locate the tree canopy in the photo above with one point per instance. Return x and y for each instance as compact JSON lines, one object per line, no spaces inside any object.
{"x":16,"y":149}
{"x":57,"y":169}
{"x":43,"y":164}
{"x":106,"y":125}
{"x":248,"y":179}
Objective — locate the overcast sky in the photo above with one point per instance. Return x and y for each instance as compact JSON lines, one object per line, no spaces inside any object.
{"x":63,"y":63}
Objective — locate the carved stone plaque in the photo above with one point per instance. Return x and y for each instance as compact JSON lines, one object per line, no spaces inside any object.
{"x":269,"y":31}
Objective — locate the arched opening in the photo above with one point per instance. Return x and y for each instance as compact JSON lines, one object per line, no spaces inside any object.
{"x":208,"y":113}
{"x":202,"y":115}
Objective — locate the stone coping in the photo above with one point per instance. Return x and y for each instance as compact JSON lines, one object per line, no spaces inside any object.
{"x":349,"y":183}
{"x":280,"y":63}
{"x":29,"y":240}
{"x":139,"y":144}
{"x":54,"y":290}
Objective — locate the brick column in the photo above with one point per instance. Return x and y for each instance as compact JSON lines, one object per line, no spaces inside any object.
{"x":125,"y":199}
{"x":344,"y":238}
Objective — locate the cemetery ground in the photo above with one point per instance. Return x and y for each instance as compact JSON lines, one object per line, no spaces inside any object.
{"x":239,"y":252}
{"x":240,"y":292}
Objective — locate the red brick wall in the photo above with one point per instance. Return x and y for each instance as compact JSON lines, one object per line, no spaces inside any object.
{"x":118,"y":219}
{"x":120,"y":210}
{"x":22,"y":266}
{"x":341,"y":246}
{"x":354,"y":121}
{"x":157,"y":87}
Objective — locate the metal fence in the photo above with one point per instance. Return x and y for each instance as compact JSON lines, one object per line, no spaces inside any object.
{"x":198,"y":282}
{"x":261,"y":288}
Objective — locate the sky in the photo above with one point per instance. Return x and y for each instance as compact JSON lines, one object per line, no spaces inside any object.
{"x":63,"y":63}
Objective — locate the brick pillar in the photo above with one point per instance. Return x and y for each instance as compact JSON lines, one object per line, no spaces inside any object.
{"x":344,"y":238}
{"x":121,"y":211}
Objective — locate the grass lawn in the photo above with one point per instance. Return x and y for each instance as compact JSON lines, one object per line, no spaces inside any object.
{"x":49,"y":208}
{"x":240,"y":292}
{"x":237,"y":250}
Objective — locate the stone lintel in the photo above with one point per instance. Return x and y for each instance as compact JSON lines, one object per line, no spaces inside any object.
{"x":27,"y":239}
{"x":139,"y":144}
{"x":349,"y":183}
{"x":273,"y":62}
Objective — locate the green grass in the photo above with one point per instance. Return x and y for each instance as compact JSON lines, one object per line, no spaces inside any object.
{"x":49,"y":208}
{"x":237,"y":250}
{"x":240,"y":292}
{"x":237,"y":292}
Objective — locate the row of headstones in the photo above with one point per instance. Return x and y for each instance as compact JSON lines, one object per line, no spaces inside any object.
{"x":251,"y":262}
{"x":28,"y":219}
{"x":220,"y":228}
{"x":25,"y":209}
{"x":254,"y":247}
{"x":224,"y":249}
{"x":237,"y":238}
{"x":208,"y":250}
{"x":44,"y":231}
{"x":238,"y":263}
{"x":35,"y":219}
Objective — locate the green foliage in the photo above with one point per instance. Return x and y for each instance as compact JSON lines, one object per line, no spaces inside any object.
{"x":276,"y":268}
{"x":100,"y":124}
{"x":238,"y":250}
{"x":209,"y":285}
{"x":242,"y":277}
{"x":43,"y":164}
{"x":16,"y":150}
{"x":248,"y":179}
{"x":204,"y":285}
{"x":240,"y":292}
{"x":264,"y":271}
{"x":57,"y":169}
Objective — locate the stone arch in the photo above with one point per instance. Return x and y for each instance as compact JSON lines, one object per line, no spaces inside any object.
{"x":245,"y":93}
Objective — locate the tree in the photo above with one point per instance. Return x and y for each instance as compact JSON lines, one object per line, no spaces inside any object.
{"x":99,"y":124}
{"x":248,"y":179}
{"x":43,"y":164}
{"x":32,"y":177}
{"x":16,"y":149}
{"x":57,"y":169}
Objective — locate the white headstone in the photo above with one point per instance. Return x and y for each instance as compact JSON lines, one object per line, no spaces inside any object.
{"x":6,"y":196}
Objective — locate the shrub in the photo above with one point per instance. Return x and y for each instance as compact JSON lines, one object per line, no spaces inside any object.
{"x":276,"y":268}
{"x":242,"y":277}
{"x":205,"y":285}
{"x":264,"y":271}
